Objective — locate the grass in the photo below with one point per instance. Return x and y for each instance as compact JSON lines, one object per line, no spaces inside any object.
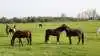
{"x":38,"y":48}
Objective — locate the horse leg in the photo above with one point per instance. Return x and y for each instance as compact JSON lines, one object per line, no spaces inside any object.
{"x":46,"y":38}
{"x":27,"y":40}
{"x":70,"y":42}
{"x":30,"y":39}
{"x":82,"y":38}
{"x":78,"y":40}
{"x":12,"y":41}
{"x":58,"y":39}
{"x":10,"y":34}
{"x":20,"y":41}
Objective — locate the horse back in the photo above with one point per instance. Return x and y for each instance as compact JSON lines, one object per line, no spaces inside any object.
{"x":22,"y":33}
{"x":74,"y":32}
{"x":52,"y":32}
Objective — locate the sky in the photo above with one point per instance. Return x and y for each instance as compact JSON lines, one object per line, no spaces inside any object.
{"x":22,"y":8}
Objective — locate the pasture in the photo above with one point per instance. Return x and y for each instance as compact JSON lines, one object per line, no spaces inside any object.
{"x":39,"y":48}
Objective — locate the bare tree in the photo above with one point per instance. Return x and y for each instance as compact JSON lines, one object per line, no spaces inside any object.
{"x":63,"y":15}
{"x":90,"y":14}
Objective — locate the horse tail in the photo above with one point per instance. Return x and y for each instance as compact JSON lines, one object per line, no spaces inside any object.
{"x":30,"y":38}
{"x":82,"y":38}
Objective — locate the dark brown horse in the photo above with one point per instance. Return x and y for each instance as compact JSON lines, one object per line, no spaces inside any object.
{"x":54,"y":32}
{"x":40,"y":25}
{"x":75,"y":32}
{"x":21,"y":34}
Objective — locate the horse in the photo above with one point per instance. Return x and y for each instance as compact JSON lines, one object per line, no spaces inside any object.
{"x":54,"y":32}
{"x":40,"y":25}
{"x":21,"y":34}
{"x":74,"y":32}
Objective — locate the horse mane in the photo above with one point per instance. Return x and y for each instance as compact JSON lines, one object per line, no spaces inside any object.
{"x":60,"y":27}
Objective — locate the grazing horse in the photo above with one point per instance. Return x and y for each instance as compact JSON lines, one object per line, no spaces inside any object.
{"x":21,"y":34}
{"x":75,"y":32}
{"x":54,"y":32}
{"x":40,"y":25}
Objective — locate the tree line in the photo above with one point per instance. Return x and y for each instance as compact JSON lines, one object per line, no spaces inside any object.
{"x":40,"y":19}
{"x":34,"y":19}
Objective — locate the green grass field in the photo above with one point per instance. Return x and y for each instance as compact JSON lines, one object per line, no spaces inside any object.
{"x":39,"y":48}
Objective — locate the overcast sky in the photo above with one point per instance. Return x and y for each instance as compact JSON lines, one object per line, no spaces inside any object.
{"x":17,"y":8}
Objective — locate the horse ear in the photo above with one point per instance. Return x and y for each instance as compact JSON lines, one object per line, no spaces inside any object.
{"x":64,"y":25}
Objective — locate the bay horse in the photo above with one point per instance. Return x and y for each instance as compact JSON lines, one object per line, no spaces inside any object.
{"x":54,"y":32}
{"x":75,"y":32}
{"x":21,"y":34}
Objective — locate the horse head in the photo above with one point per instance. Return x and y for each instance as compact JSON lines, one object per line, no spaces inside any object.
{"x":66,"y":28}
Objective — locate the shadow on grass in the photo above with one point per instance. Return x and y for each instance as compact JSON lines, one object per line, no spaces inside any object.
{"x":61,"y":44}
{"x":3,"y":36}
{"x":39,"y":44}
{"x":5,"y":45}
{"x":50,"y":44}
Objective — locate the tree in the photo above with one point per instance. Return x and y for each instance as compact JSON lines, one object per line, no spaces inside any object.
{"x":89,"y":14}
{"x":15,"y":19}
{"x":63,"y":16}
{"x":3,"y":20}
